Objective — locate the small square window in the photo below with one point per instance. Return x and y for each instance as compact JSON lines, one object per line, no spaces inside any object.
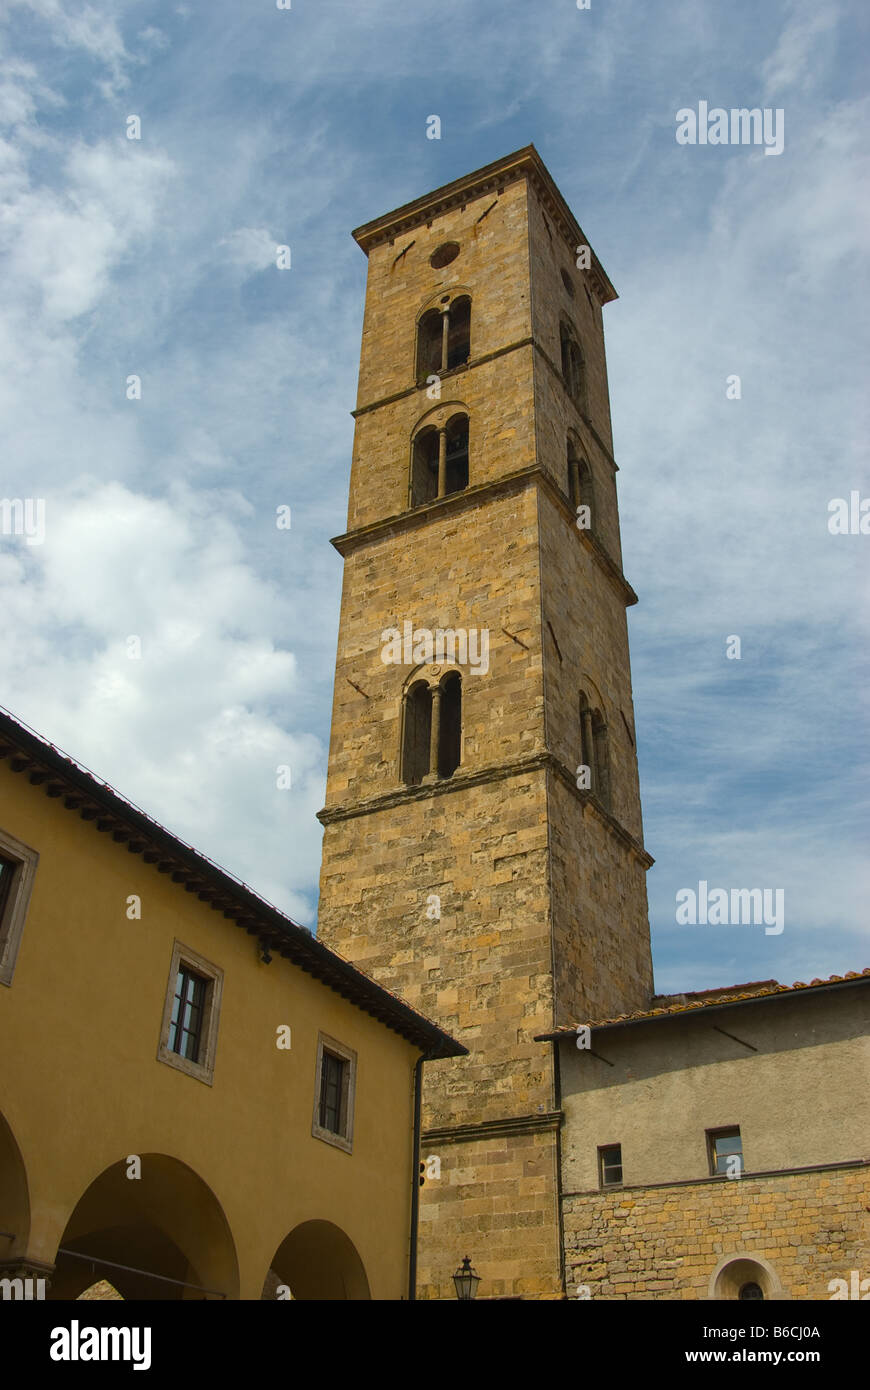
{"x":334,"y":1090}
{"x":610,"y":1165}
{"x":725,"y":1150}
{"x":188,"y":1036}
{"x":17,"y":872}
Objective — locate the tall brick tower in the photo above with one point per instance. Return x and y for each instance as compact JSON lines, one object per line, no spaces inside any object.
{"x":483,"y":851}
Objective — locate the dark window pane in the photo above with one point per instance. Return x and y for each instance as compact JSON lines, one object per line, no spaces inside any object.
{"x":429,"y":332}
{"x":331,"y":1087}
{"x":611,"y":1165}
{"x":7,"y":872}
{"x":418,"y":733}
{"x":424,"y":479}
{"x":459,"y":336}
{"x":457,"y":454}
{"x":725,"y":1146}
{"x":450,"y":741}
{"x":185,"y":1029}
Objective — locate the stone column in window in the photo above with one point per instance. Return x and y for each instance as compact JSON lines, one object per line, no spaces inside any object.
{"x":442,"y":462}
{"x":445,"y":336}
{"x":435,"y":738}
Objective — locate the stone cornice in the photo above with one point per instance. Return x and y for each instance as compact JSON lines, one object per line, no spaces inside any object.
{"x":547,"y":1123}
{"x":617,"y":1189}
{"x":449,"y":375}
{"x":471,"y":497}
{"x":525,"y":163}
{"x":463,"y":780}
{"x":469,"y":366}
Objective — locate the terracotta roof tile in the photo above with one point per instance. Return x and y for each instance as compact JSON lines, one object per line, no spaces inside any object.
{"x":716,"y":998}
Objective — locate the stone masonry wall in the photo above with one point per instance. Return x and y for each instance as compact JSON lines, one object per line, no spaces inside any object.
{"x":495,"y":1201}
{"x":665,"y":1242}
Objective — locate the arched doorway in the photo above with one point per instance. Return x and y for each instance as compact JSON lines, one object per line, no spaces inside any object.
{"x":162,"y":1235}
{"x":746,"y":1278}
{"x":317,"y":1261}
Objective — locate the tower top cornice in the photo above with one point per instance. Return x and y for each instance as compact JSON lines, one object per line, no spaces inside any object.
{"x":525,"y":163}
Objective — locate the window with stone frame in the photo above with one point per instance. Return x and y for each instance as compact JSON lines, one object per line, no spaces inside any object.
{"x":17,"y":871}
{"x":191,"y":1013}
{"x":439,"y":463}
{"x":443,"y":338}
{"x":334,"y":1093}
{"x":431,"y":730}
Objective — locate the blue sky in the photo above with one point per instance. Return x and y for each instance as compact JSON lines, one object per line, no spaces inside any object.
{"x":156,"y":257}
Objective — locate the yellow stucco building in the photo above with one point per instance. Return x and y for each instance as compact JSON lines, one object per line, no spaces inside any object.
{"x":198,"y":1098}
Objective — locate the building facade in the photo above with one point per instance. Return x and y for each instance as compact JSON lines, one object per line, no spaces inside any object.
{"x":717,"y":1146}
{"x":483,"y":850}
{"x":198,"y":1099}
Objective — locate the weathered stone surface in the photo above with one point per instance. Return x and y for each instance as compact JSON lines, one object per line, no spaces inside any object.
{"x":542,"y":897}
{"x":786,"y":1220}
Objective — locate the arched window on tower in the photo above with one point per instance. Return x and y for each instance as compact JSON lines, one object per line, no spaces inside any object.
{"x":456,"y":454}
{"x":424,"y":472}
{"x":581,"y":488}
{"x":443,"y":338}
{"x":439,"y":464}
{"x":416,"y":733}
{"x":432,"y":730}
{"x":459,"y":332}
{"x":594,"y":750}
{"x":429,"y":347}
{"x":572,"y":365}
{"x":450,"y":731}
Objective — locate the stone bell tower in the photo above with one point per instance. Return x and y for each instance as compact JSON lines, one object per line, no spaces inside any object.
{"x":483,"y":851}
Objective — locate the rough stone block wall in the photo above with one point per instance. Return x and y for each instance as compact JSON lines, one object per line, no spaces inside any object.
{"x":587,"y":614}
{"x":496,"y":1201}
{"x":550,"y":254}
{"x":476,"y":567}
{"x":493,"y":261}
{"x":665,"y":1242}
{"x":505,"y":560}
{"x":601,"y":947}
{"x":482,"y":970}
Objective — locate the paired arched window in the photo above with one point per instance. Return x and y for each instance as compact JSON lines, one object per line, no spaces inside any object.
{"x":594,"y":750}
{"x":440,"y":461}
{"x":581,"y":489}
{"x":444,"y":338}
{"x":573,"y":373}
{"x":432,"y":729}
